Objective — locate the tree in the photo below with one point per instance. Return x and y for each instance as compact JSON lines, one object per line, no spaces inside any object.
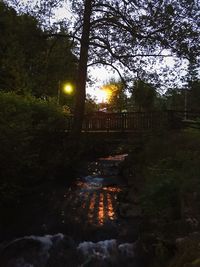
{"x":175,"y":98}
{"x":30,"y":60}
{"x":192,"y":94}
{"x":143,"y":95}
{"x":20,"y":48}
{"x":60,"y":64}
{"x":90,"y":105}
{"x":144,"y":29}
{"x":117,"y":101}
{"x":131,"y":34}
{"x":82,"y":69}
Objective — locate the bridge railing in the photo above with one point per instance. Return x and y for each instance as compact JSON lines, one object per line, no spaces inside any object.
{"x":129,"y":121}
{"x":133,"y":121}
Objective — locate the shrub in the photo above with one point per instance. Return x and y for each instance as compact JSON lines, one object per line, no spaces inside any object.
{"x":171,"y":172}
{"x":31,"y":141}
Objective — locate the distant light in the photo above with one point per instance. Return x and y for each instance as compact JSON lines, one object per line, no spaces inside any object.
{"x":107,"y":92}
{"x":68,"y":89}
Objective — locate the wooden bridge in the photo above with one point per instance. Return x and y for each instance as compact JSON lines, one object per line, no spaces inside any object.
{"x":134,"y":121}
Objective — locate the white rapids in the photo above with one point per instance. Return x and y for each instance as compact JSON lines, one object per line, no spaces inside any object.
{"x":39,"y":251}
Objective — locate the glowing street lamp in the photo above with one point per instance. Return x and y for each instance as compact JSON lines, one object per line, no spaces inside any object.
{"x":66,"y":88}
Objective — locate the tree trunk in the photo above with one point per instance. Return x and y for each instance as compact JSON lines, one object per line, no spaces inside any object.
{"x":82,"y":71}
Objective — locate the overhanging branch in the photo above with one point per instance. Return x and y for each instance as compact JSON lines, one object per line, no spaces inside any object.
{"x":110,"y":65}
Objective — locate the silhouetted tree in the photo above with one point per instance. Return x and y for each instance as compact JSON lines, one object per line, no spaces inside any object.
{"x":193,"y":86}
{"x":117,"y":101}
{"x":143,"y":95}
{"x":175,"y":98}
{"x":30,"y":60}
{"x":125,"y":32}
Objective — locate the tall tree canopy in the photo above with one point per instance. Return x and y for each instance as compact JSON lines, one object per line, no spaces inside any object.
{"x":126,"y":32}
{"x":31,"y":60}
{"x":131,"y":34}
{"x":144,"y":95}
{"x":117,"y":98}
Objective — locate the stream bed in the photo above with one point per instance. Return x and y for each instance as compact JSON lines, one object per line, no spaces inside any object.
{"x":93,"y":200}
{"x":88,"y":225}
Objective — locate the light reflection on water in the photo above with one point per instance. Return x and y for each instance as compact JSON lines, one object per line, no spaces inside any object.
{"x":94,"y":198}
{"x":115,"y":157}
{"x":112,"y":189}
{"x":91,"y":208}
{"x":98,"y":204}
{"x":84,"y":202}
{"x":101,"y":215}
{"x":111,"y":212}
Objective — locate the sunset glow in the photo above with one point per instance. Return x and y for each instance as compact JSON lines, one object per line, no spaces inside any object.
{"x":104,"y":93}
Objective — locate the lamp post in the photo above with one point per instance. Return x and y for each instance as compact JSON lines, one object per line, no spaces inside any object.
{"x":58,"y":97}
{"x":66,"y":88}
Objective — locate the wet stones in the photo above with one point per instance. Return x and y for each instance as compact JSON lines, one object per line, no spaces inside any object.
{"x":38,"y":251}
{"x":61,"y":251}
{"x":107,"y":253}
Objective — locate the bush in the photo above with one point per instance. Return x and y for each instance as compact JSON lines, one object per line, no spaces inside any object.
{"x":31,"y":141}
{"x":171,"y":173}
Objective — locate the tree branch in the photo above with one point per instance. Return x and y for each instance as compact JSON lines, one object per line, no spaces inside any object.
{"x":108,"y":64}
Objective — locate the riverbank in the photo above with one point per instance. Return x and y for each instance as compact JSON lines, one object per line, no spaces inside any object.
{"x":86,"y":213}
{"x":32,"y":206}
{"x":163,"y":191}
{"x":144,"y":210}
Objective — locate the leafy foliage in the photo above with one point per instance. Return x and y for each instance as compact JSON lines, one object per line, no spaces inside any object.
{"x":31,"y":141}
{"x":143,"y":95}
{"x":175,"y":98}
{"x":128,"y":34}
{"x":134,"y":34}
{"x":90,"y":105}
{"x":117,"y":101}
{"x":171,"y":172}
{"x":30,"y":60}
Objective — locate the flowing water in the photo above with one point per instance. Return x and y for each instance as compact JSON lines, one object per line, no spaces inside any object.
{"x":90,"y":221}
{"x":92,"y":201}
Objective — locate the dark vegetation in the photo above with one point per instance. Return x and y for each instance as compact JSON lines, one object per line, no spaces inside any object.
{"x":171,"y":171}
{"x":35,"y":149}
{"x":32,"y":140}
{"x":165,"y":183}
{"x":32,"y":143}
{"x":32,"y":61}
{"x":39,"y":160}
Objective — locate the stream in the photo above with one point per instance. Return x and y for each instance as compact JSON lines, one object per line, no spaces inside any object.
{"x":88,"y":223}
{"x":92,"y":200}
